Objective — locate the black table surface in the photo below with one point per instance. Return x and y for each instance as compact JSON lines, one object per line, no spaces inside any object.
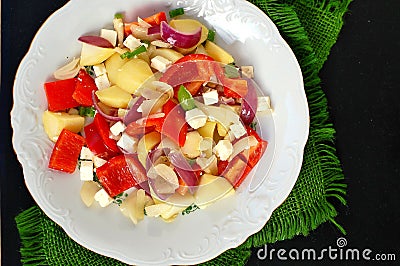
{"x":361,"y":81}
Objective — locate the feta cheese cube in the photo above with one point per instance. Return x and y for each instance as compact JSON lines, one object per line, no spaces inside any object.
{"x":110,"y":35}
{"x":103,"y":198}
{"x":223,"y":149}
{"x":86,"y":170}
{"x":127,"y":143}
{"x":196,"y":118}
{"x":117,"y":128}
{"x":238,"y":130}
{"x":248,"y":71}
{"x":132,"y":43}
{"x":263,"y":103}
{"x":86,"y":154}
{"x":102,"y":82}
{"x":210,"y":97}
{"x":160,"y":63}
{"x":99,"y":70}
{"x":97,"y":161}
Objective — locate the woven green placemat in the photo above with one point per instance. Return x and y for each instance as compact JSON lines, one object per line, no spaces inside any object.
{"x":311,"y":28}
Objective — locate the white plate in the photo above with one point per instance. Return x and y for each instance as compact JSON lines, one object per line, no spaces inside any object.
{"x":253,"y":39}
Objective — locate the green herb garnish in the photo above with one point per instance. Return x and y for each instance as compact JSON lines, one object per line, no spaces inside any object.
{"x":253,"y":125}
{"x":176,"y":12}
{"x":231,"y":71}
{"x":118,"y":16}
{"x":185,"y":99}
{"x":211,"y":35}
{"x":190,"y":209}
{"x":86,"y":111}
{"x":90,"y":71}
{"x":139,"y":50}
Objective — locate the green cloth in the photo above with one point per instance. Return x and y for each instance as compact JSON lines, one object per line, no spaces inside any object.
{"x":311,"y":28}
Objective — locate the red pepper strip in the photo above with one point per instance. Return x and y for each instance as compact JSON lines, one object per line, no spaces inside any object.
{"x":153,"y":20}
{"x":97,"y":139}
{"x":135,"y":130}
{"x":236,"y":88}
{"x":256,"y":152}
{"x":236,"y":171}
{"x":194,"y":57}
{"x":83,"y":90}
{"x":175,"y":126}
{"x":65,"y":154}
{"x":117,"y":175}
{"x":59,"y":94}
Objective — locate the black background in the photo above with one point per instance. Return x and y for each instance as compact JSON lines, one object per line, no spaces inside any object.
{"x":361,"y":80}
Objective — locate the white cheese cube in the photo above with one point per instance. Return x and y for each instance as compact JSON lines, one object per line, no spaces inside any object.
{"x":196,"y":118}
{"x":223,"y":149}
{"x":210,"y":97}
{"x":263,"y":103}
{"x":127,"y":143}
{"x":86,"y":154}
{"x":86,"y":170}
{"x":248,"y":71}
{"x":238,"y":130}
{"x":103,"y":198}
{"x":230,"y":136}
{"x":117,"y":128}
{"x":132,"y":43}
{"x":110,"y":35}
{"x":102,"y":82}
{"x":160,"y":63}
{"x":99,"y":70}
{"x":98,"y":161}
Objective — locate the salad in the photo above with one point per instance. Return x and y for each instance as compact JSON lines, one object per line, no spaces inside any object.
{"x":156,"y":116}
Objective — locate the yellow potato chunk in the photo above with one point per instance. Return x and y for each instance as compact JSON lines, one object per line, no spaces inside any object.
{"x":93,"y":55}
{"x":113,"y":66}
{"x":146,"y":143}
{"x":207,"y":131}
{"x":192,"y":144}
{"x":212,"y":188}
{"x":218,"y":53}
{"x":114,"y":97}
{"x":133,"y":74}
{"x":55,"y":122}
{"x":167,"y":53}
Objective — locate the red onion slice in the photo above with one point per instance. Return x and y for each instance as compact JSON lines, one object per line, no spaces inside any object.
{"x":179,"y":39}
{"x":184,"y":170}
{"x":98,"y":109}
{"x":249,"y":103}
{"x":133,"y":113}
{"x":154,"y":30}
{"x":96,"y":41}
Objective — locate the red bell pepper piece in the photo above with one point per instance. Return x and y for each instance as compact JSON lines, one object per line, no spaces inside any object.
{"x":257,"y":151}
{"x":153,"y":20}
{"x":59,"y":94}
{"x":97,"y":138}
{"x":119,"y":174}
{"x":236,"y":171}
{"x":65,"y":154}
{"x":175,"y":126}
{"x":83,"y":90}
{"x":194,"y":57}
{"x":150,"y":124}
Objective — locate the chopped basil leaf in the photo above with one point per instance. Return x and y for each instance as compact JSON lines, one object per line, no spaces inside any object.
{"x":253,"y":125}
{"x":185,"y":99}
{"x":86,"y":111}
{"x":211,"y":35}
{"x":231,"y":71}
{"x":190,"y":209}
{"x":176,"y":12}
{"x":90,"y":71}
{"x":139,"y":50}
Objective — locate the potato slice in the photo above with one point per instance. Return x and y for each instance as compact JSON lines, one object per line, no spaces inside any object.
{"x":218,"y":53}
{"x":88,"y":190}
{"x":192,"y":144}
{"x":114,"y":96}
{"x":113,"y":66}
{"x":133,"y":74}
{"x":167,"y":53}
{"x":55,"y":122}
{"x":146,"y":143}
{"x":93,"y":55}
{"x":212,"y":188}
{"x":207,"y":131}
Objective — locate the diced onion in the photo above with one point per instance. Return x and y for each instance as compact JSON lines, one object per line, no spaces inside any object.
{"x":68,"y":71}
